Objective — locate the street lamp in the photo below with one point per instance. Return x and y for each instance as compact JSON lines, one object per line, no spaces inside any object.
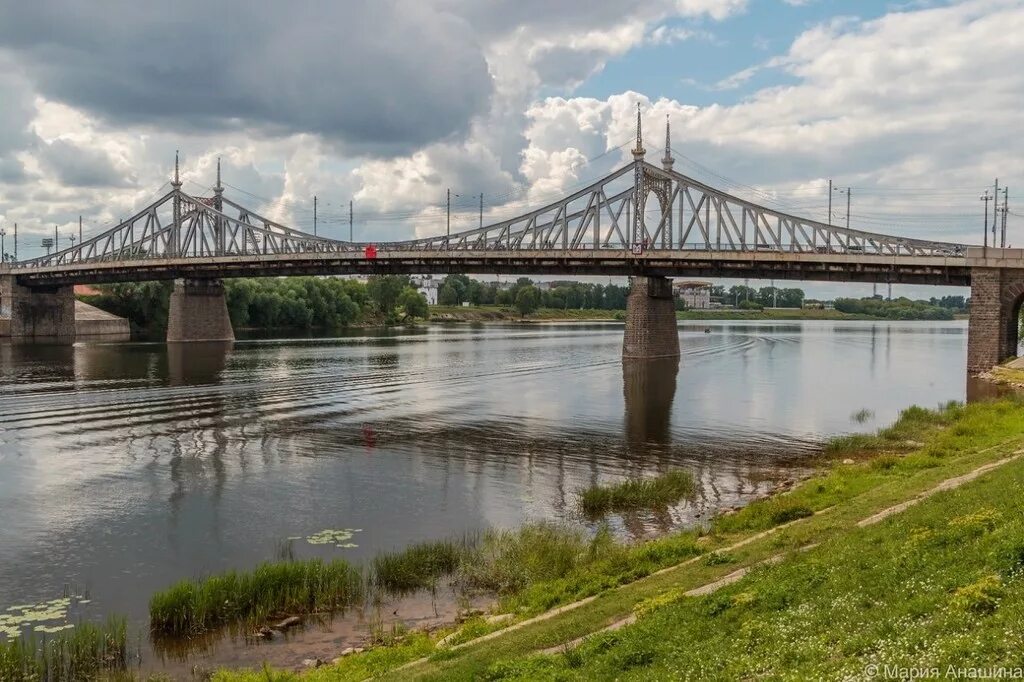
{"x":3,"y":250}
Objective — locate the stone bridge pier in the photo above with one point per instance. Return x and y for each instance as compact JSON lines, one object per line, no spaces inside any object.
{"x":651,"y":330}
{"x":44,"y":313}
{"x":996,"y":296}
{"x":198,"y":312}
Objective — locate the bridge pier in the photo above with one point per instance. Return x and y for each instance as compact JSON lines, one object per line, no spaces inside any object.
{"x":992,"y":333}
{"x":651,"y":330}
{"x":198,"y":312}
{"x":43,"y":313}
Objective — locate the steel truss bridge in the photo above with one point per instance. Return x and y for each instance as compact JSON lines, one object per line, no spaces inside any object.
{"x":639,"y":220}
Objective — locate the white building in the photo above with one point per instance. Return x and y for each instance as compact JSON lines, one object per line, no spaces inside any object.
{"x":428,"y":286}
{"x":695,"y":295}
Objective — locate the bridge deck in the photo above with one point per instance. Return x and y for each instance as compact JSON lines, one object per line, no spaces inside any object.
{"x":939,"y":270}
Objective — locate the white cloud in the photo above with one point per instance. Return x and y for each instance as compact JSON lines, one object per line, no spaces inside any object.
{"x":905,"y":100}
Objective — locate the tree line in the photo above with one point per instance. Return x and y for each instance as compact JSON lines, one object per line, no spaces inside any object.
{"x":459,"y":289}
{"x":293,"y":302}
{"x":896,"y":309}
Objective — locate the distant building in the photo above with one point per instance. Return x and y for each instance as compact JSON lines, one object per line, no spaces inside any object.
{"x":428,"y":286}
{"x":556,"y":284}
{"x":695,"y":295}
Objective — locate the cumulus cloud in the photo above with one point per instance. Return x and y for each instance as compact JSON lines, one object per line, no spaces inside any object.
{"x":76,"y":166}
{"x":906,"y":100}
{"x":381,"y":76}
{"x":393,"y":102}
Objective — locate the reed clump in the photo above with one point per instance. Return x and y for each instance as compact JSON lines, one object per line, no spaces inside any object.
{"x":289,"y":587}
{"x":647,"y":493}
{"x":906,"y":433}
{"x":86,"y":652}
{"x":419,"y":566}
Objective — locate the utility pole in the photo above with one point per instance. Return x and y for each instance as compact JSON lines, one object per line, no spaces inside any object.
{"x":995,"y":212}
{"x":481,"y":209}
{"x":79,"y":230}
{"x":350,"y":231}
{"x":449,"y":223}
{"x":314,"y":215}
{"x":847,"y":193}
{"x":3,"y":251}
{"x":1005,"y":210}
{"x":830,"y":201}
{"x":15,"y":241}
{"x":56,"y":240}
{"x":984,"y":226}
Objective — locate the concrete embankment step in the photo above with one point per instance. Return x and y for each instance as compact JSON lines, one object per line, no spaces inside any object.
{"x":91,"y":321}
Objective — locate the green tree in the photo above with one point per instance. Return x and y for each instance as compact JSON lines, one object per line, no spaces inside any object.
{"x":447,"y":294}
{"x":527,"y":299}
{"x":413,"y":304}
{"x":384,"y":291}
{"x":457,"y":289}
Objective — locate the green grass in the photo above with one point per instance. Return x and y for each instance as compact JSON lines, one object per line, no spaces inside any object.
{"x":938,"y":585}
{"x":488,"y":313}
{"x":950,"y":440}
{"x":83,"y":653}
{"x":283,"y":588}
{"x":903,"y":435}
{"x":507,"y":561}
{"x":493,"y":313}
{"x":648,"y":493}
{"x":418,"y":566}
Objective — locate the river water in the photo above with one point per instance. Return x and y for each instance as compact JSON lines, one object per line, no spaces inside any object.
{"x":125,"y":467}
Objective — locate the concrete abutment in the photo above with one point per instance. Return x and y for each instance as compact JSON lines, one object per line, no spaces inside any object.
{"x":43,"y":313}
{"x":198,"y":312}
{"x":651,"y":330}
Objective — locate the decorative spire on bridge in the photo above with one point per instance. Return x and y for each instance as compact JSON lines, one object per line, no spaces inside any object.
{"x":218,"y":188}
{"x":176,"y":183}
{"x":667,"y":161}
{"x":639,"y":151}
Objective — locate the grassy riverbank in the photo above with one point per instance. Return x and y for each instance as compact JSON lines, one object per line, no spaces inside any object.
{"x":494,"y":313}
{"x":934,"y":583}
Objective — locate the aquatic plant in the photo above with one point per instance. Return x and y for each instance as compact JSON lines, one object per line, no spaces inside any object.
{"x":509,"y":560}
{"x":271,"y":589}
{"x":339,"y":538}
{"x":419,"y":566}
{"x":81,"y":654}
{"x":862,"y":415}
{"x":904,"y":434}
{"x":649,"y":493}
{"x":45,"y":617}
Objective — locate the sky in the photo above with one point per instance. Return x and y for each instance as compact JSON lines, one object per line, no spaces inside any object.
{"x":914,"y":105}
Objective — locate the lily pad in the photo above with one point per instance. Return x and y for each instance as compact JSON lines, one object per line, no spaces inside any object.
{"x":337,"y":537}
